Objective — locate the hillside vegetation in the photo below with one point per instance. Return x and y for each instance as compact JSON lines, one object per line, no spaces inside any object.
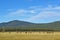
{"x":17,"y":25}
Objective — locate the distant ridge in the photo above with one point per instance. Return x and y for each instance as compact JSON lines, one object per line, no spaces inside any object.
{"x":22,"y":25}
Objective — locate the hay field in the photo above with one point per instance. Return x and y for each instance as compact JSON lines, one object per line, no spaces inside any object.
{"x":29,"y":36}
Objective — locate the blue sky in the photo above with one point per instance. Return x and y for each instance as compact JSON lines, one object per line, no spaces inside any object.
{"x":36,"y":11}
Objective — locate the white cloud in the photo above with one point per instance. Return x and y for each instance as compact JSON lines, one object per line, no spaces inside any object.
{"x":32,"y":11}
{"x":45,"y":15}
{"x":15,"y":13}
{"x":50,"y":13}
{"x":20,"y":12}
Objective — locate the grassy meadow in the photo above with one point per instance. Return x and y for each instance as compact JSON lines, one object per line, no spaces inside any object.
{"x":29,"y":36}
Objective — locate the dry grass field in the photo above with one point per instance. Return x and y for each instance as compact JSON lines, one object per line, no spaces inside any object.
{"x":29,"y":36}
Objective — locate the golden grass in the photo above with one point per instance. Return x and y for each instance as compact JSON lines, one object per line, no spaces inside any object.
{"x":29,"y":36}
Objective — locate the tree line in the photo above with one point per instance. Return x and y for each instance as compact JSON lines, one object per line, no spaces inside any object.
{"x":23,"y":29}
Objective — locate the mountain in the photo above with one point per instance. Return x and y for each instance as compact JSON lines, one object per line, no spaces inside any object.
{"x":15,"y":23}
{"x":22,"y":25}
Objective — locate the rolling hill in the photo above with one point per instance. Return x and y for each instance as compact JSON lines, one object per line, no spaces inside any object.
{"x":27,"y":26}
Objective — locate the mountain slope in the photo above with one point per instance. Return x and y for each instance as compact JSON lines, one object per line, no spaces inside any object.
{"x":16,"y":24}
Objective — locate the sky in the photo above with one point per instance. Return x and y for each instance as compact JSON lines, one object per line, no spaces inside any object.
{"x":35,"y":11}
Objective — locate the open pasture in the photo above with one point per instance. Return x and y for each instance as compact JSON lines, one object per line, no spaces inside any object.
{"x":30,"y":36}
